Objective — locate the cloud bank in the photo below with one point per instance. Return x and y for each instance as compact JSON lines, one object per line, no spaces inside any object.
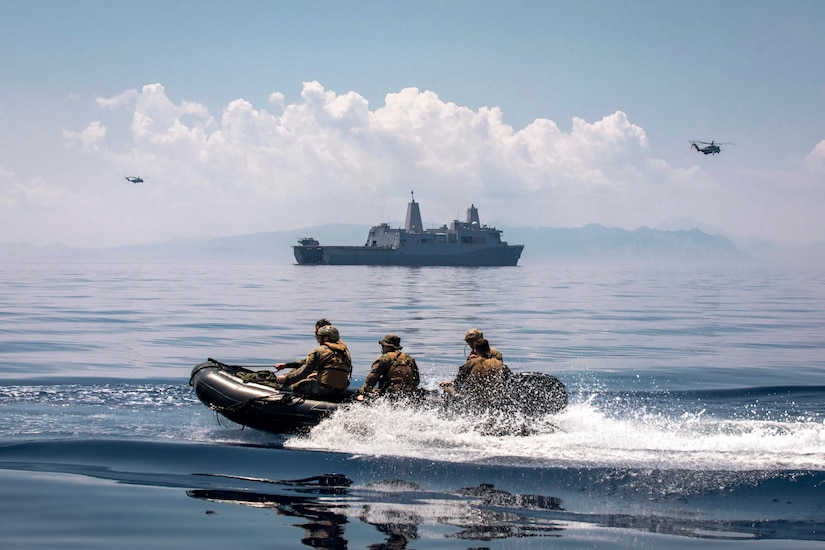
{"x":329,"y":158}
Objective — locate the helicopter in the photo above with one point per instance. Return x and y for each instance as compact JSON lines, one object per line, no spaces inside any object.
{"x":711,"y":148}
{"x":134,"y":179}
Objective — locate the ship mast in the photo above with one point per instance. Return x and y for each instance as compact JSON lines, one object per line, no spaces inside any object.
{"x":472,"y":215}
{"x":413,"y":222}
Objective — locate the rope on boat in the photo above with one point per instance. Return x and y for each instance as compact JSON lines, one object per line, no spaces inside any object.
{"x":218,"y":420}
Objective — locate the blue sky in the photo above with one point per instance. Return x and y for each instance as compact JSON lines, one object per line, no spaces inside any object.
{"x":283,"y":115}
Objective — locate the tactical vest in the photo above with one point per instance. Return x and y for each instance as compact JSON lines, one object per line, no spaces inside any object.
{"x":401,"y":376}
{"x":335,"y":365}
{"x":488,"y":378}
{"x":493,"y":354}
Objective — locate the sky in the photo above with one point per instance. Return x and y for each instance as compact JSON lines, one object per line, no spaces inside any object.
{"x":254,"y":116}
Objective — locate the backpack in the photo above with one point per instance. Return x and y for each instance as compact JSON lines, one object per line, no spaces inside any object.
{"x":402,"y":374}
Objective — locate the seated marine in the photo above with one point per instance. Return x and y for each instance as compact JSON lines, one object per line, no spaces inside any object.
{"x":471,"y":337}
{"x":326,"y":370}
{"x":394,"y":372}
{"x":484,"y":380}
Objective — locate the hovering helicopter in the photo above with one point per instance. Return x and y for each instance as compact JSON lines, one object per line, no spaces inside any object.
{"x":134,"y":179}
{"x":711,"y":148}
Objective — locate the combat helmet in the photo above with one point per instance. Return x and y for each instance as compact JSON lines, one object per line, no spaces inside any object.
{"x":330,"y":332}
{"x":321,"y":323}
{"x":472,"y":335}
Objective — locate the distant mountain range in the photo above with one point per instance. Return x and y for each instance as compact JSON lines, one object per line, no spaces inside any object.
{"x":589,"y":244}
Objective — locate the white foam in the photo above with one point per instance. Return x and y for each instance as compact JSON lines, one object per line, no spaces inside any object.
{"x":580,"y":436}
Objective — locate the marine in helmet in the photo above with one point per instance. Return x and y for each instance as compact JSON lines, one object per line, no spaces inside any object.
{"x":394,"y":372}
{"x":321,"y":323}
{"x":482,"y":381}
{"x":326,"y":370}
{"x":471,"y":337}
{"x":294,"y":364}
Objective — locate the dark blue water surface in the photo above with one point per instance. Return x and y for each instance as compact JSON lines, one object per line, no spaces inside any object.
{"x":697,"y":414}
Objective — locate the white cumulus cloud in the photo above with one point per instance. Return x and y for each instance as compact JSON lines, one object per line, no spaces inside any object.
{"x":88,"y":139}
{"x":330,"y":157}
{"x":815,"y":160}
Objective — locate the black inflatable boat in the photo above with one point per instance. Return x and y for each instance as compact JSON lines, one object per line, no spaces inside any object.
{"x":233,"y":391}
{"x":251,"y":398}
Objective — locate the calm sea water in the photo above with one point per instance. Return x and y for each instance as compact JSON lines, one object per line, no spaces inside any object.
{"x":697,"y":413}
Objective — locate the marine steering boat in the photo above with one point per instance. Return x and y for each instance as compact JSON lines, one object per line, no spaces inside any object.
{"x":465,"y":244}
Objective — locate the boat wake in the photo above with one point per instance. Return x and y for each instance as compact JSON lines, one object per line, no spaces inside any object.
{"x":744,"y":429}
{"x":582,"y":435}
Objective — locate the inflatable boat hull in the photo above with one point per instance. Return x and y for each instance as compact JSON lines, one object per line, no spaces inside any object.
{"x":256,"y":405}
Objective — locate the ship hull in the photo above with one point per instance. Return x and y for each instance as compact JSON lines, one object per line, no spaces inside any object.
{"x":507,"y":255}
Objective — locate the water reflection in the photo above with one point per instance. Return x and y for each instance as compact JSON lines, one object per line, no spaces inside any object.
{"x":395,"y":508}
{"x":401,"y":512}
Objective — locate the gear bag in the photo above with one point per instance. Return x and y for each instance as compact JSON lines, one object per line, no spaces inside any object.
{"x":402,"y":375}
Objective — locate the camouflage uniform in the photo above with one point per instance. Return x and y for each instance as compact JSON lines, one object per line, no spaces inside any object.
{"x":472,"y":336}
{"x":394,"y":371}
{"x":483,"y":380}
{"x":484,"y":377}
{"x":333,"y":365}
{"x":493,"y":353}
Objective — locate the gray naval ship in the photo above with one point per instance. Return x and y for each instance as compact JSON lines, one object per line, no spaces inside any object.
{"x":465,"y":243}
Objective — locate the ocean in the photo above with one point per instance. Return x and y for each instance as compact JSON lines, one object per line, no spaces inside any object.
{"x":696,"y":415}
